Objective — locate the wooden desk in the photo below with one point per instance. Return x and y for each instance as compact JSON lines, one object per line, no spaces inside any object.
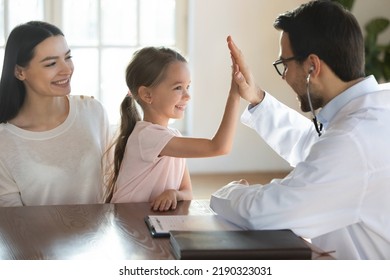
{"x":96,"y":231}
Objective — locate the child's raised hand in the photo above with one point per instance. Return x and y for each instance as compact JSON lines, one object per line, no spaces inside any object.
{"x":242,"y":75}
{"x":165,"y":201}
{"x":234,"y":88}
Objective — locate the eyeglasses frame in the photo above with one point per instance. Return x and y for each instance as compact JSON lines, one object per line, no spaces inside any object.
{"x":283,"y":60}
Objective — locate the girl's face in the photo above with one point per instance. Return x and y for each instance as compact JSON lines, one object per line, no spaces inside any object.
{"x":169,"y":98}
{"x":50,"y":70}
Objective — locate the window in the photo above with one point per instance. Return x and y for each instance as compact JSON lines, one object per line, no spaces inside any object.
{"x":103,"y":34}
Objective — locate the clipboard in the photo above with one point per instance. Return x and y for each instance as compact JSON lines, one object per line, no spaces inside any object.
{"x":151,"y":224}
{"x":162,"y":225}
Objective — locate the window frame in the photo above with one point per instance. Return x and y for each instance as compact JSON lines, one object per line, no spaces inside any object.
{"x":52,"y":12}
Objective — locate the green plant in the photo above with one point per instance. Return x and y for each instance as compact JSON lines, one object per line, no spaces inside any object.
{"x":348,"y":4}
{"x":377,"y":55}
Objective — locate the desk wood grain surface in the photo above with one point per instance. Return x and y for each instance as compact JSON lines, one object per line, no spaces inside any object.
{"x":93,"y":231}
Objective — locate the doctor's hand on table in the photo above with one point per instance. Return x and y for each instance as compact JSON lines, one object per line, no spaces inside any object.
{"x":239,"y":182}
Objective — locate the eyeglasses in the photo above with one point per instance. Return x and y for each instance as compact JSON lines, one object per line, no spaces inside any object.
{"x":280,"y":65}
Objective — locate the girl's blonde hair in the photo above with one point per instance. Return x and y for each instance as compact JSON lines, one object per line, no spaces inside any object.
{"x":147,"y":68}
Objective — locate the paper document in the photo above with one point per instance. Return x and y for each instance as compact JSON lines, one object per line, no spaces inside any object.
{"x":161,"y":225}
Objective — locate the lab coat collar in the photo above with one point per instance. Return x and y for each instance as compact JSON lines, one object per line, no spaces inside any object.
{"x":364,"y":87}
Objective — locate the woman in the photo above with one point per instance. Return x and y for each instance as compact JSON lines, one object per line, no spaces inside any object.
{"x":51,"y":142}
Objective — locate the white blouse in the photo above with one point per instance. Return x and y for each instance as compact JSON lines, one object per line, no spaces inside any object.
{"x":59,"y":166}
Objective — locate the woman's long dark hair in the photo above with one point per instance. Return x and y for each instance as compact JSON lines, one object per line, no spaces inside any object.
{"x":147,"y":68}
{"x":19,"y":50}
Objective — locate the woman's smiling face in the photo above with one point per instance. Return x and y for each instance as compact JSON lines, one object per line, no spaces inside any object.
{"x":50,"y":70}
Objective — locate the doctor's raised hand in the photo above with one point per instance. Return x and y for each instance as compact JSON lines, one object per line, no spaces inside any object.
{"x":248,"y":89}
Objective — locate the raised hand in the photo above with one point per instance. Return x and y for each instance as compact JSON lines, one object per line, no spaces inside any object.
{"x":247,"y":87}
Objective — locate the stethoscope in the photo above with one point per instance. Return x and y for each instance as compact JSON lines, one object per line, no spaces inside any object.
{"x":317,"y":125}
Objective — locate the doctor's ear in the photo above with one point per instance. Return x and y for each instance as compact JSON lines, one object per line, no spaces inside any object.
{"x":314,"y":64}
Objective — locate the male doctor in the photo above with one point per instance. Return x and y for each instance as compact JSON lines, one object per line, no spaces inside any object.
{"x":338,"y":194}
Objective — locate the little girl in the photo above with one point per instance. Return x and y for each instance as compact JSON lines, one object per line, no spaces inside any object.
{"x":149,"y":157}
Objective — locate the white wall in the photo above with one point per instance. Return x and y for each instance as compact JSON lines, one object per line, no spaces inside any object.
{"x":250,"y":24}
